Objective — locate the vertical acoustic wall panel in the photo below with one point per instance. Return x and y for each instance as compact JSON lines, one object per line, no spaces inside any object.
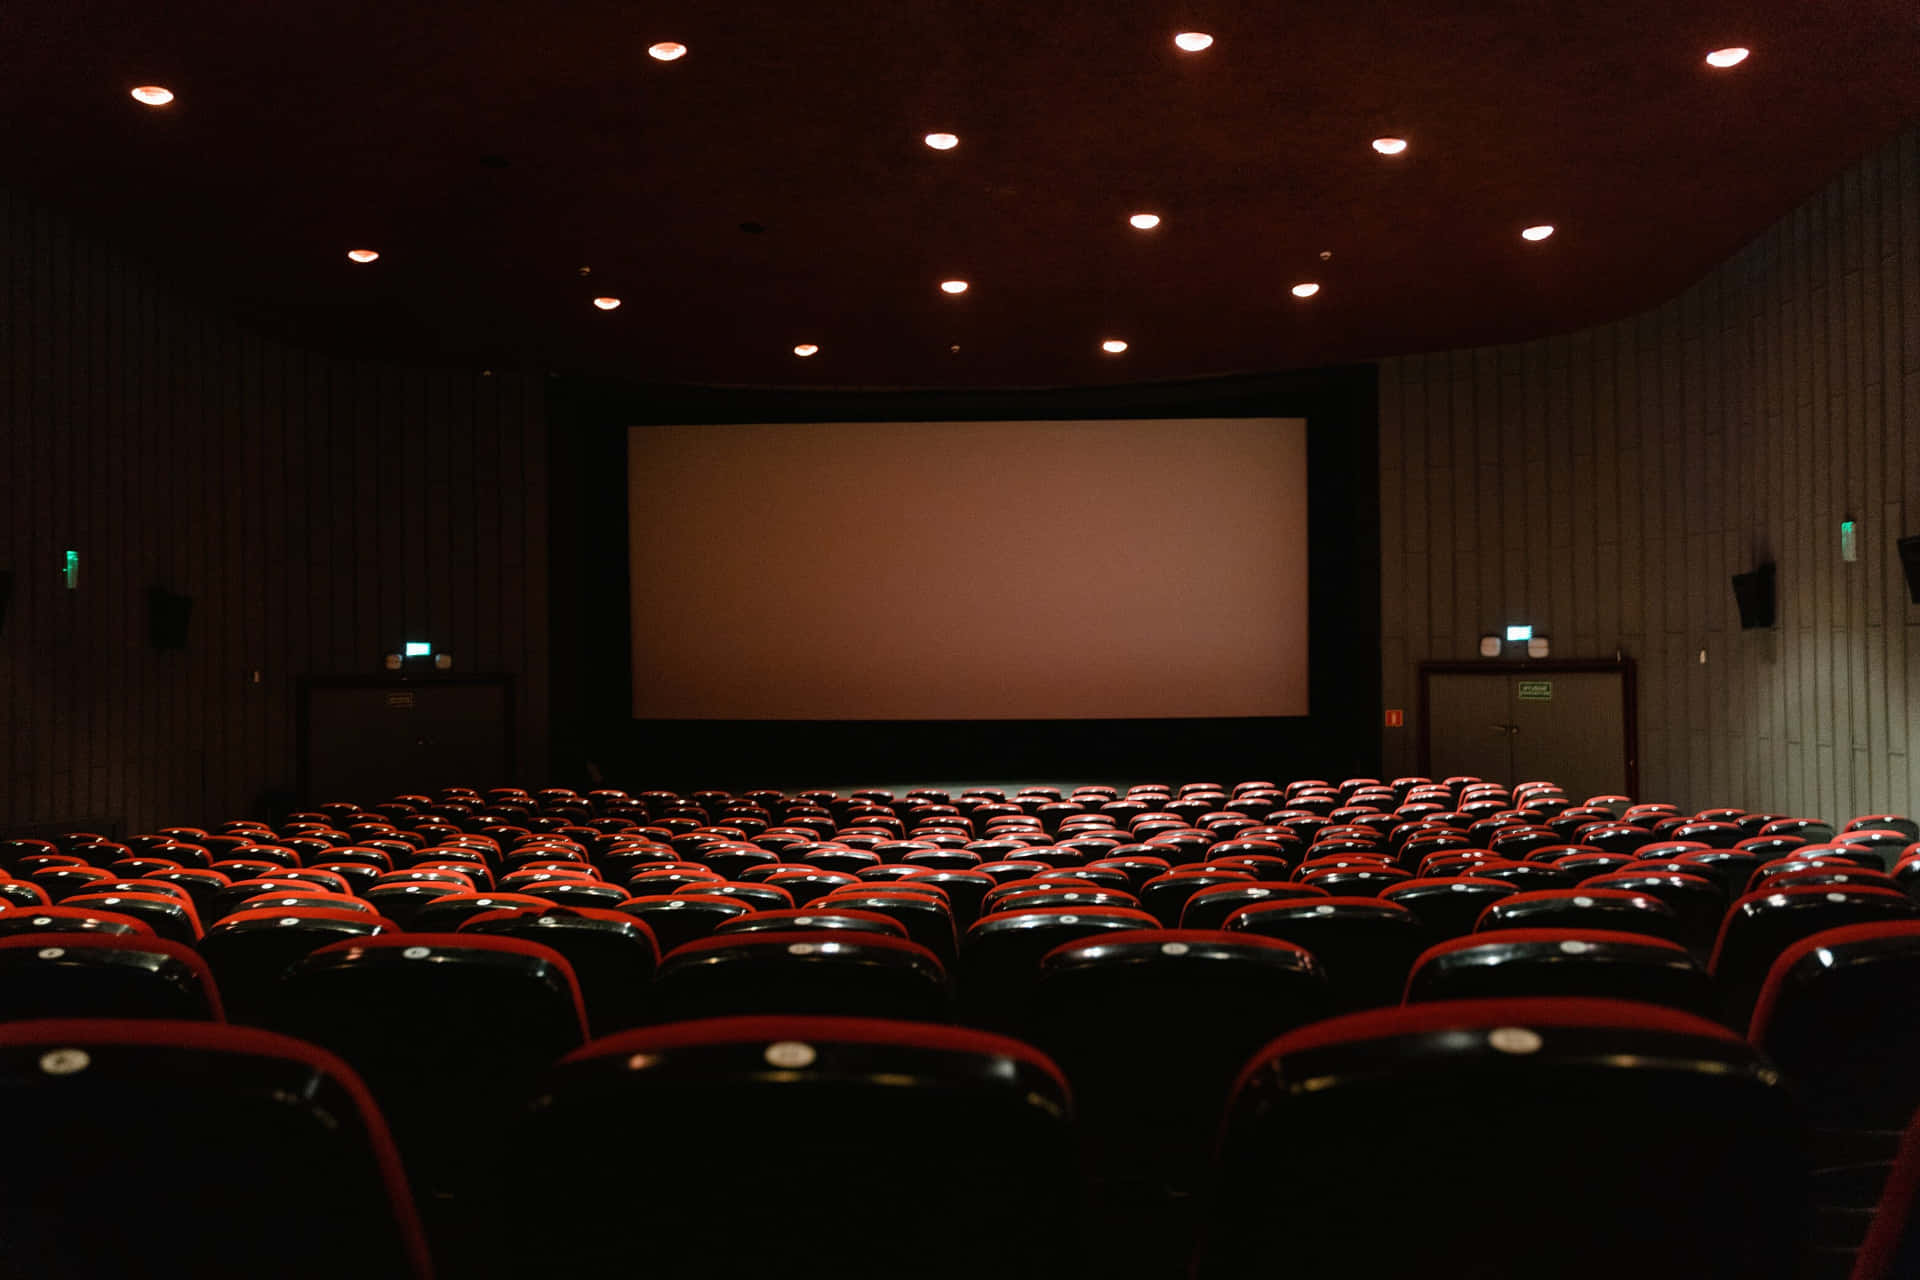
{"x":1605,"y":485}
{"x":316,"y":510}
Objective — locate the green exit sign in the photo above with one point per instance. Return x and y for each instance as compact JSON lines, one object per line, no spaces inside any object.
{"x":1536,"y":691}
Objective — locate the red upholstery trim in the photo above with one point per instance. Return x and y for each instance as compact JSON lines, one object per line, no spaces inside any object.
{"x":1215,"y":936}
{"x":64,"y":912}
{"x":220,"y":1037}
{"x":502,"y":898}
{"x":167,"y":899}
{"x":307,"y":913}
{"x":1107,"y":913}
{"x":1293,"y":889}
{"x":121,"y":942}
{"x":1029,"y":884}
{"x":1294,"y":904}
{"x":604,"y":914}
{"x":1424,"y":882}
{"x":1468,"y":1015}
{"x":1188,"y":872}
{"x":1563,"y":895}
{"x":742,"y":903}
{"x":1503,"y":937}
{"x":702,"y":891}
{"x":851,"y":913}
{"x":1013,"y":901}
{"x":470,"y":942}
{"x":1593,"y":881}
{"x":1764,"y":1008}
{"x":936,"y":893}
{"x":547,"y":875}
{"x":928,"y":873}
{"x":266,"y":901}
{"x":785,"y":937}
{"x":1506,"y":937}
{"x":1877,"y":1251}
{"x":280,"y":884}
{"x":875,"y":1031}
{"x":1793,"y":891}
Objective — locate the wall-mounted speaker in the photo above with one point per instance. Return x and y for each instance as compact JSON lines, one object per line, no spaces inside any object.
{"x":167,"y":616}
{"x":1910,"y":561}
{"x":1753,"y":592}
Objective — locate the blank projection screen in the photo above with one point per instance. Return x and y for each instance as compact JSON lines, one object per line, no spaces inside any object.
{"x":969,"y":570}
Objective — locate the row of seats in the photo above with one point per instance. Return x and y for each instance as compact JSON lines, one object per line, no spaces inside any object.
{"x":1517,"y":1138}
{"x":452,"y":948}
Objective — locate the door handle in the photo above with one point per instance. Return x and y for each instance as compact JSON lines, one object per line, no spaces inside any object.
{"x":1508,"y":729}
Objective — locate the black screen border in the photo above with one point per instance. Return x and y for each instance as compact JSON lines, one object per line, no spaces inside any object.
{"x":596,"y":739}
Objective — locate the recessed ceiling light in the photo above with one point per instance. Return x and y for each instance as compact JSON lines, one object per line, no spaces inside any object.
{"x":667,"y":50}
{"x":1305,"y":289}
{"x":1389,"y":146}
{"x":1145,"y":221}
{"x":1731,"y":57}
{"x":1540,"y":232}
{"x":1193,"y":41}
{"x":363,"y":255}
{"x":153,"y":95}
{"x":943,"y":141}
{"x":953,"y":286}
{"x":606,"y":304}
{"x":805,"y":349}
{"x":1113,"y":346}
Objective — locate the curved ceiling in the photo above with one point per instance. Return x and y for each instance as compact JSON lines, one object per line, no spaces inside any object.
{"x":772,"y":188}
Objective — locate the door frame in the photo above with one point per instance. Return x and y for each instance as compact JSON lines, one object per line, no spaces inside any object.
{"x":1623,"y":667}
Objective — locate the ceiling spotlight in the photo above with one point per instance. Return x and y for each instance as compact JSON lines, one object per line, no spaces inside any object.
{"x":1389,"y":146}
{"x":1113,"y":346}
{"x":805,"y":349}
{"x":1732,"y":57}
{"x":667,"y":50}
{"x":1193,"y":41}
{"x":953,"y":286}
{"x":153,"y":95}
{"x":1145,"y":221}
{"x":1540,"y":232}
{"x":943,"y":141}
{"x":606,"y":304}
{"x":363,"y":255}
{"x":1305,"y":289}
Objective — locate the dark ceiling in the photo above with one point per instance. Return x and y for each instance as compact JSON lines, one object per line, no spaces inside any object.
{"x":772,"y":188}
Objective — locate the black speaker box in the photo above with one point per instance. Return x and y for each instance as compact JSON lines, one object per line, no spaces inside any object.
{"x":1753,"y":592}
{"x":1909,"y":560}
{"x":167,"y":616}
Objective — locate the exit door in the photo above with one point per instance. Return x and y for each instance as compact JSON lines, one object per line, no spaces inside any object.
{"x":1570,"y":723}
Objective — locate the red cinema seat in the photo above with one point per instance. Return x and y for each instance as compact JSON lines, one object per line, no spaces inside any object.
{"x":103,"y":975}
{"x":826,"y":972}
{"x":1563,"y":962}
{"x":266,"y":1156}
{"x":991,"y":1114}
{"x":1603,"y":1097}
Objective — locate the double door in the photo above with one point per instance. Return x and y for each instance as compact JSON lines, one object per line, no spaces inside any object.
{"x":1568,"y":722}
{"x":368,"y":738}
